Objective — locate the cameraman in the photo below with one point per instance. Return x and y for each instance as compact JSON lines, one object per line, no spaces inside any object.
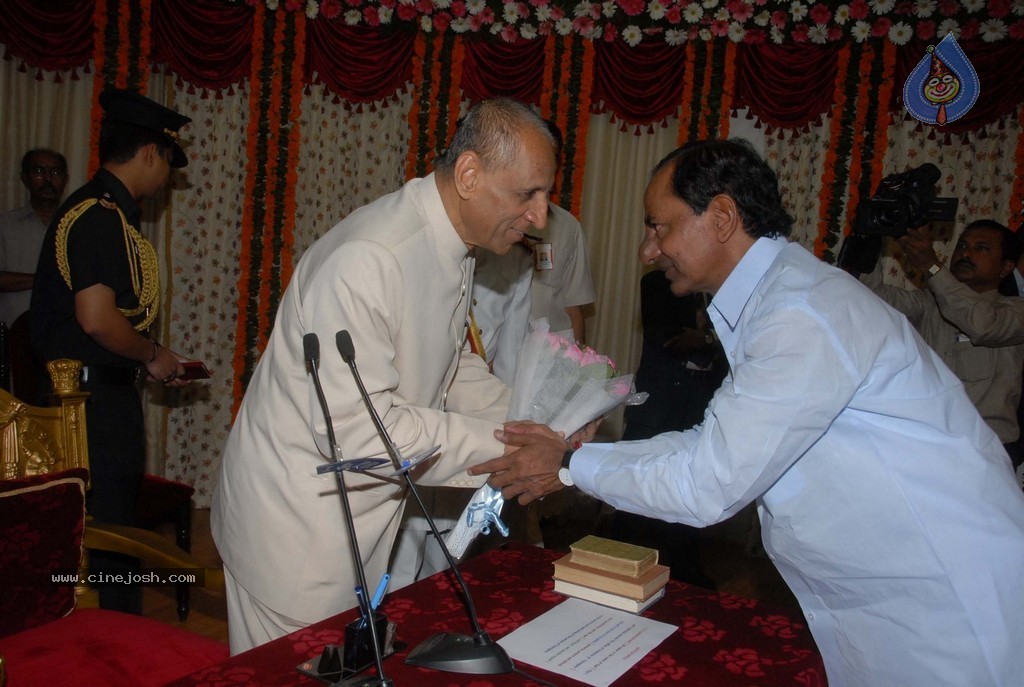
{"x":961,"y":314}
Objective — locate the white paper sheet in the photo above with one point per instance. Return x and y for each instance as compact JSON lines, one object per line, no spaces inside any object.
{"x":587,"y":642}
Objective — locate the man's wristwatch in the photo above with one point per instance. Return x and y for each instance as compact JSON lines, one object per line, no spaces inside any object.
{"x":934,"y":269}
{"x":563,"y":472}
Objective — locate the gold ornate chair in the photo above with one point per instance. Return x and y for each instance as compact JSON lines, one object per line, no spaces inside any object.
{"x":51,"y":632}
{"x":37,"y":441}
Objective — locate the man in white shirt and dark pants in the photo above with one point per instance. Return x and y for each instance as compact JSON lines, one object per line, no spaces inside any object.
{"x":886,"y":502}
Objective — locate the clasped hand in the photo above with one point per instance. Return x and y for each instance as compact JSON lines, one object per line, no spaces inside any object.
{"x":529,"y":468}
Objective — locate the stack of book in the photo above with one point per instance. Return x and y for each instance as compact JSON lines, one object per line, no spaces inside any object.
{"x":611,"y":573}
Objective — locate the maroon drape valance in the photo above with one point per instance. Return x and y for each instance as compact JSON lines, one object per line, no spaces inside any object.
{"x":205,"y":43}
{"x":642,"y":84}
{"x":514,"y":70}
{"x":208,"y":43}
{"x":53,"y":35}
{"x":358,"y":63}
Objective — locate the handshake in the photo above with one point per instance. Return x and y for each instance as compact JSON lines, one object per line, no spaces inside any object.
{"x":533,"y":456}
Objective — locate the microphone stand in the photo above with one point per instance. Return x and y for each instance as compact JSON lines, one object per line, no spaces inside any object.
{"x":458,"y":653}
{"x":311,"y":348}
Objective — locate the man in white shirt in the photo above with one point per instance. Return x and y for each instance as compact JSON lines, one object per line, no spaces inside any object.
{"x":886,"y":502}
{"x":45,"y":174}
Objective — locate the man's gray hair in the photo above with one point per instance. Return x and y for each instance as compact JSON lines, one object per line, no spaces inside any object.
{"x":493,"y":130}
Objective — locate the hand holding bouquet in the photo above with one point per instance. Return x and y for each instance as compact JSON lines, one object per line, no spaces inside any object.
{"x":557,"y":383}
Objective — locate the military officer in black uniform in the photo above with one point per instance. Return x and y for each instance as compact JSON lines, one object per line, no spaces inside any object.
{"x":96,"y":294}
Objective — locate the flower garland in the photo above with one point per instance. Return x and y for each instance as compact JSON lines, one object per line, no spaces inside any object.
{"x":268,"y":213}
{"x":120,"y":55}
{"x":834,"y":179}
{"x":1017,"y":197}
{"x":679,"y":21}
{"x":725,"y":110}
{"x":437,"y":68}
{"x":567,"y":85}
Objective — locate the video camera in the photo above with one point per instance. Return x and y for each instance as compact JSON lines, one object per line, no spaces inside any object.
{"x":902,"y":201}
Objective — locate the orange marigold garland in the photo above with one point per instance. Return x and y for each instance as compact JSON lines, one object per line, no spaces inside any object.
{"x":268,"y":213}
{"x":1017,"y":197}
{"x":728,"y":86}
{"x":565,"y":100}
{"x":686,"y":114}
{"x":120,"y":56}
{"x":866,"y":103}
{"x":830,"y":181}
{"x":437,"y":73}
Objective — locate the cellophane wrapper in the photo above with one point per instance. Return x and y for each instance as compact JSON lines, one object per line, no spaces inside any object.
{"x":559,"y":384}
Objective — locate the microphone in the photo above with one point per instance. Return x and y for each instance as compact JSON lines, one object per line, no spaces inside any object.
{"x":477,"y":654}
{"x":311,"y":350}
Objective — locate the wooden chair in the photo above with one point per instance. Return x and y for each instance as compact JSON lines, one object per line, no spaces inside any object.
{"x":36,"y":441}
{"x":29,"y":449}
{"x":54,"y":634}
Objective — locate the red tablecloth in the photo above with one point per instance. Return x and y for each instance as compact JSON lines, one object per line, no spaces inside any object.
{"x":722,"y":639}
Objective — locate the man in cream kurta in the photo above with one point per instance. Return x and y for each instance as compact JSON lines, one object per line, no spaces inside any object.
{"x":397,"y":275}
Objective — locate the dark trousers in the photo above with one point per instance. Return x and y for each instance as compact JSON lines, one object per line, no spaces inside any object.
{"x":117,"y":449}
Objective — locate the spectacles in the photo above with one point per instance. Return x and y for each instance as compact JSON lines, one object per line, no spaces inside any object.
{"x":55,"y":172}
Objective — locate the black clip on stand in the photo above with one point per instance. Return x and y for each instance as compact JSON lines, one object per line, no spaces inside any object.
{"x":363,"y":640}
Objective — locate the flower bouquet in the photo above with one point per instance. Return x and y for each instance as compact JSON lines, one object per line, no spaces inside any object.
{"x":557,"y":383}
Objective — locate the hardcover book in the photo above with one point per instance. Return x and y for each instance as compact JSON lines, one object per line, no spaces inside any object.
{"x":623,"y":603}
{"x":613,"y":556}
{"x":641,"y":587}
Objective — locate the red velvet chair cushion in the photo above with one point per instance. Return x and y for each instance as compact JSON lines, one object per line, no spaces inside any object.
{"x":41,"y":525}
{"x":97,"y":647}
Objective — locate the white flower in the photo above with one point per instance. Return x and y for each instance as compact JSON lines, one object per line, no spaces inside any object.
{"x":543,"y":13}
{"x":948,"y":26}
{"x":842,"y":14}
{"x":608,"y":9}
{"x":705,"y":34}
{"x":312,"y":9}
{"x":882,"y":6}
{"x":1018,"y":7}
{"x":656,"y":10}
{"x":777,"y":35}
{"x":476,"y":6}
{"x":442,"y":4}
{"x":582,"y":10}
{"x":460,"y":25}
{"x":426,"y":24}
{"x":900,"y":33}
{"x":272,"y":5}
{"x":675,"y":37}
{"x":973,"y":5}
{"x":797,"y":10}
{"x":762,"y":18}
{"x":385,"y":14}
{"x":528,"y":31}
{"x":993,"y":30}
{"x":511,"y":13}
{"x":632,"y":35}
{"x":736,"y":32}
{"x":924,"y":8}
{"x":861,"y":31}
{"x":563,"y":27}
{"x":723,"y":14}
{"x":692,"y":13}
{"x":818,"y":34}
{"x":353,"y":17}
{"x":710,"y":3}
{"x":496,"y":27}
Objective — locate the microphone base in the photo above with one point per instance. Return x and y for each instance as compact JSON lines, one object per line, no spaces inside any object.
{"x":455,"y":653}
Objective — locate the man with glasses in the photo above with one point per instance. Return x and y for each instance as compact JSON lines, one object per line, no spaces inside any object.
{"x":45,"y":174}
